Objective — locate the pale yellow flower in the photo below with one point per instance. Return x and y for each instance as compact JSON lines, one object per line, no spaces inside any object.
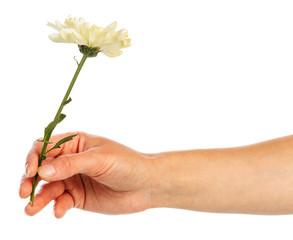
{"x":91,"y":39}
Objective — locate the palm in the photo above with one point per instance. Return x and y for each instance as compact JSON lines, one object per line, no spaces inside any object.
{"x":93,"y":196}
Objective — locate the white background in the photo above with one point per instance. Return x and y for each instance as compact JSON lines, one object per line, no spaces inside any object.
{"x":199,"y":74}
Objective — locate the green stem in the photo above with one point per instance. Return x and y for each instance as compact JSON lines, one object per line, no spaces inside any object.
{"x":47,"y":136}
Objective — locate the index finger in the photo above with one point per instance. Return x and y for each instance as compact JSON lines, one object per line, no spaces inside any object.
{"x":32,"y":158}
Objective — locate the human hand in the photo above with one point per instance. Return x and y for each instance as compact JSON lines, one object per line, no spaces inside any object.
{"x":90,"y":173}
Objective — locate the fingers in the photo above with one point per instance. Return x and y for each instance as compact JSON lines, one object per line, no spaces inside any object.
{"x":26,"y":183}
{"x":49,"y":192}
{"x":66,"y":166}
{"x":31,"y":166}
{"x":63,"y":204}
{"x":25,"y":188}
{"x":33,"y":156}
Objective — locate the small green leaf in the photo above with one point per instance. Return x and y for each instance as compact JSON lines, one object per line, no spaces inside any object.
{"x":49,"y":129}
{"x":51,"y":126}
{"x":63,"y":140}
{"x":76,"y":61}
{"x":44,"y":141}
{"x":67,"y":101}
{"x":61,"y":117}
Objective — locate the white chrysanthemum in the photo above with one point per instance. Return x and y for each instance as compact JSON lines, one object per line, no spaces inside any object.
{"x":91,"y":39}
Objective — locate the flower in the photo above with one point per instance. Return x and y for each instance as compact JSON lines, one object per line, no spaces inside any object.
{"x":91,"y":39}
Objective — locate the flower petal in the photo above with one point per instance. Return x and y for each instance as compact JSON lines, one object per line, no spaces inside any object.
{"x":112,"y":53}
{"x":98,"y":36}
{"x":52,"y":25}
{"x":121,"y":34}
{"x":111,"y":27}
{"x":59,"y":25}
{"x":55,"y":37}
{"x":116,"y":45}
{"x":71,"y":36}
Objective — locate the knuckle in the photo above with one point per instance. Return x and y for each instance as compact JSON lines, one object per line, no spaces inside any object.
{"x":81,"y":141}
{"x":65,"y":161}
{"x":81,"y":135}
{"x":67,"y":164}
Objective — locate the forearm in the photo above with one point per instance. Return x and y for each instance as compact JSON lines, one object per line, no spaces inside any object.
{"x":255,"y":179}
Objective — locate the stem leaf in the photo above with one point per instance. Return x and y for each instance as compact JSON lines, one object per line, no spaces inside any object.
{"x":63,"y":140}
{"x":49,"y":129}
{"x":67,"y":101}
{"x":51,"y":126}
{"x":61,"y":117}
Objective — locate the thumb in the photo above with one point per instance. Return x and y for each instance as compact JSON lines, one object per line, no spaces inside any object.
{"x":66,"y":166}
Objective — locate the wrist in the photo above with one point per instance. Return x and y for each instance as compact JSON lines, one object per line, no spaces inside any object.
{"x":160,"y":185}
{"x":166,"y":180}
{"x":174,"y":180}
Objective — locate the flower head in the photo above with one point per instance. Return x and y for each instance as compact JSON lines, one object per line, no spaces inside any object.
{"x":91,"y":39}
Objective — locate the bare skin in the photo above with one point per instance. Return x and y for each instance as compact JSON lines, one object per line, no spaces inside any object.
{"x":99,"y":175}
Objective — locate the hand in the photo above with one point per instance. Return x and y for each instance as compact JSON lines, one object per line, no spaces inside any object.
{"x":90,"y":173}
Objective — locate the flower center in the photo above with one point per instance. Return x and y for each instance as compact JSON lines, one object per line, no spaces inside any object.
{"x":89,"y":52}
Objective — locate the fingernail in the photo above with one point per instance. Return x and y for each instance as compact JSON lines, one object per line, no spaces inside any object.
{"x":27,"y":170}
{"x":46,"y":171}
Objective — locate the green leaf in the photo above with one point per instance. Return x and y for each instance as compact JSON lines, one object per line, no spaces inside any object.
{"x":49,"y":129}
{"x":61,"y":117}
{"x":63,"y":140}
{"x":76,"y":61}
{"x":67,"y":101}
